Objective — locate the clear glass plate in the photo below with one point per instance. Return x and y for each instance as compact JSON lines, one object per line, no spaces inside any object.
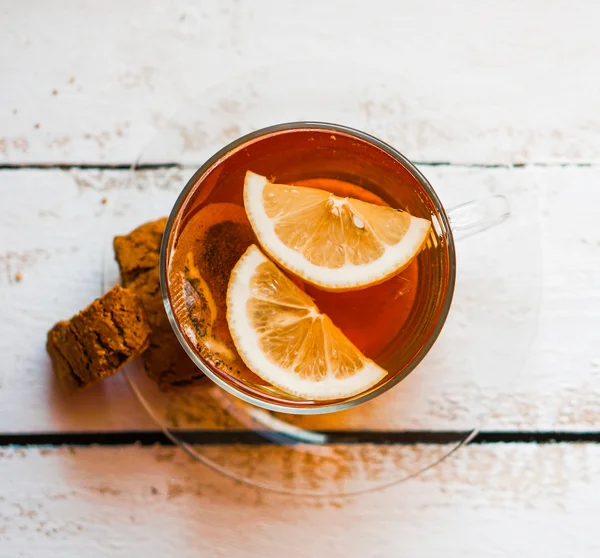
{"x":453,"y":392}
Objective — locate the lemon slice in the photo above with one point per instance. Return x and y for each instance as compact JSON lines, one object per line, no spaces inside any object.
{"x":283,"y":338}
{"x":337,"y":244}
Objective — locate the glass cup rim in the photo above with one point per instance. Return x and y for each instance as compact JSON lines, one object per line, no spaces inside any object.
{"x":307,"y":125}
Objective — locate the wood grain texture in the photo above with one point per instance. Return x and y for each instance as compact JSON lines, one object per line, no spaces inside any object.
{"x":486,"y":502}
{"x":489,"y":84}
{"x":90,"y":83}
{"x":57,"y":227}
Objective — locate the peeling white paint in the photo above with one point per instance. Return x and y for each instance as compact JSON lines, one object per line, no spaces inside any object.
{"x":469,"y":85}
{"x":56,"y":231}
{"x":156,"y":502}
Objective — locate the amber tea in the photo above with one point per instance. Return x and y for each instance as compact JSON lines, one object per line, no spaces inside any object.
{"x":393,"y":323}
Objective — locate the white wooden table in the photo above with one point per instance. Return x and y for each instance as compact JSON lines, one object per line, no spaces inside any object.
{"x":83,"y":85}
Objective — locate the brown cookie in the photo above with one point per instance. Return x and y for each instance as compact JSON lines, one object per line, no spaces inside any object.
{"x":100,"y":340}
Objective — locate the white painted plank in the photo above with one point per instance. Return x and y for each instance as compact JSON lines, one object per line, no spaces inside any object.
{"x":54,"y":230}
{"x":487,"y":502}
{"x":90,"y":82}
{"x":52,"y":233}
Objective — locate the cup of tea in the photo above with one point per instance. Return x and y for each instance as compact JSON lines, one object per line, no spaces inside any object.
{"x":309,"y":267}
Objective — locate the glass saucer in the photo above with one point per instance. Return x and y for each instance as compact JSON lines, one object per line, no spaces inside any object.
{"x":443,"y":403}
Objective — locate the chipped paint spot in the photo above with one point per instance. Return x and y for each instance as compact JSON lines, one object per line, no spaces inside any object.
{"x":21,"y":144}
{"x":194,"y":137}
{"x":59,"y":141}
{"x":232,"y":132}
{"x":165,"y":454}
{"x":13,"y":263}
{"x":103,"y":137}
{"x":174,"y":491}
{"x":230,"y":106}
{"x":105,"y":490}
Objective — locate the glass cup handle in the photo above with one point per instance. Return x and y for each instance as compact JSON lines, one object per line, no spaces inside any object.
{"x":472,"y":217}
